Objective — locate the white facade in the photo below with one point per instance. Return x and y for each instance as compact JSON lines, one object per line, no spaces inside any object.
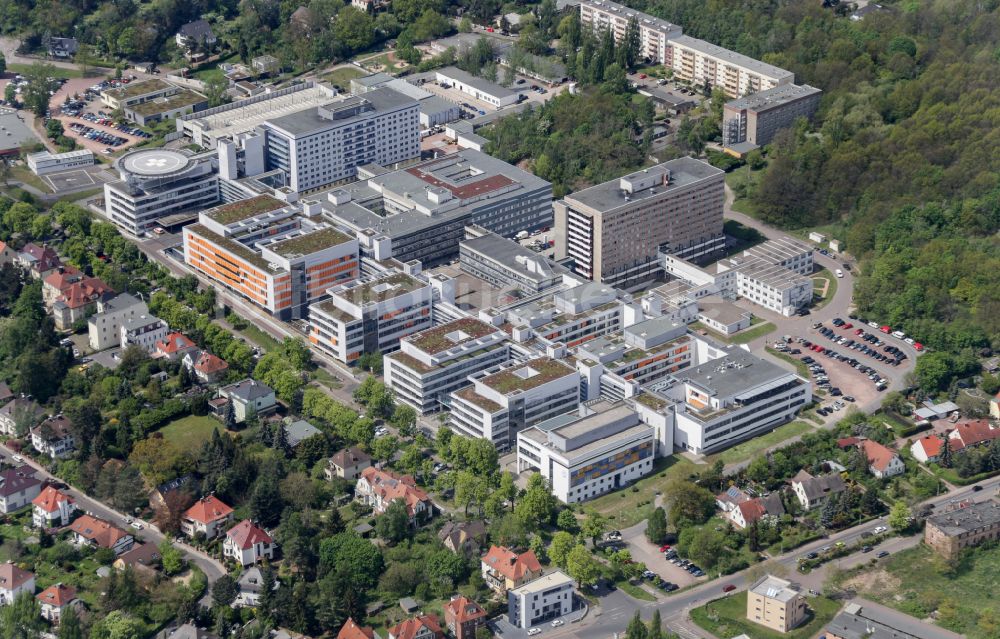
{"x":701,"y":62}
{"x":584,"y":456}
{"x":654,"y":33}
{"x":104,"y":327}
{"x":321,"y":146}
{"x":20,"y":582}
{"x":431,"y":364}
{"x":370,"y":316}
{"x":509,"y":398}
{"x":477,"y":88}
{"x":548,"y":597}
{"x":45,"y":162}
{"x":142,"y":330}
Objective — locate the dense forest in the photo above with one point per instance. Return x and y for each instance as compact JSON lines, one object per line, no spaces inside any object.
{"x":903,"y":152}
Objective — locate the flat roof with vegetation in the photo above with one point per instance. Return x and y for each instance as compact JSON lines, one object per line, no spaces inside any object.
{"x":651,"y":401}
{"x":528,"y":375}
{"x":309,"y":243}
{"x":470,"y":395}
{"x":244,"y":209}
{"x":382,"y":289}
{"x":134,"y":89}
{"x":441,"y":338}
{"x":176,"y":101}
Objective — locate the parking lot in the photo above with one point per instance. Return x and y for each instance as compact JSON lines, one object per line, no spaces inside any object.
{"x":87,"y":121}
{"x":649,"y":554}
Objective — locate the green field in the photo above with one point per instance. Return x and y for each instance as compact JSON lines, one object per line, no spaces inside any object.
{"x":738,"y":181}
{"x":919,"y":582}
{"x":189,"y":433}
{"x":752,"y":333}
{"x":260,"y":338}
{"x":17,"y":67}
{"x":342,"y":77}
{"x":752,"y":447}
{"x":831,"y":290}
{"x":629,"y":506}
{"x":634,"y":591}
{"x":726,"y":617}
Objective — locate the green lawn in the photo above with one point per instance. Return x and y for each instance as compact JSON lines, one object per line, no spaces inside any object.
{"x":23,"y":174}
{"x":212,"y":71}
{"x":189,"y":433}
{"x":918,"y":582}
{"x":752,"y":333}
{"x":740,"y":180}
{"x":726,"y":617}
{"x":17,"y":67}
{"x":342,"y":77}
{"x":831,"y":291}
{"x":752,"y":447}
{"x":629,"y":506}
{"x":800,"y":367}
{"x":260,"y":338}
{"x":636,"y":592}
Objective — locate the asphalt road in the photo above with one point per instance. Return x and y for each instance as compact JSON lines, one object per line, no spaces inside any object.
{"x":617,"y":610}
{"x":212,"y":568}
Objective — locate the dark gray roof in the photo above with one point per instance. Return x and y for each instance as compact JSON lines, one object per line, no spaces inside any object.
{"x":248,"y":390}
{"x":772,"y":98}
{"x":299,"y":431}
{"x":14,"y":480}
{"x":506,"y":252}
{"x":819,"y":487}
{"x":867,"y":621}
{"x":199,"y":30}
{"x":14,"y":132}
{"x":737,"y":372}
{"x":608,"y":195}
{"x":968,"y":518}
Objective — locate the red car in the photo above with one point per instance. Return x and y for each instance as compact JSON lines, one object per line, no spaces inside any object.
{"x":664,"y":547}
{"x":728,"y":588}
{"x":860,"y":331}
{"x":918,"y":346}
{"x":847,"y":326}
{"x":643,"y":76}
{"x":885,"y":329}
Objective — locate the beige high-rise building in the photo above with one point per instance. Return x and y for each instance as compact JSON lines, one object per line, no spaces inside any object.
{"x":615,"y":230}
{"x":775,"y":603}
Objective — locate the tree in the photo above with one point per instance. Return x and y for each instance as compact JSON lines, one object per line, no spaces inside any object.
{"x":560,"y":547}
{"x":21,"y":618}
{"x":594,"y":526}
{"x":354,"y":29}
{"x":394,"y":524}
{"x":384,"y":448}
{"x":689,"y":503}
{"x":900,"y":518}
{"x":266,"y":503}
{"x":224,"y":591}
{"x":36,"y":94}
{"x":582,"y":566}
{"x":636,"y":629}
{"x":216,"y":91}
{"x":655,"y":626}
{"x":537,"y":505}
{"x":118,"y":625}
{"x":69,"y":625}
{"x":229,"y":415}
{"x":656,"y":527}
{"x":3,"y":64}
{"x":356,"y":555}
{"x":171,"y":558}
{"x":404,"y":418}
{"x":566,"y":521}
{"x":945,"y":457}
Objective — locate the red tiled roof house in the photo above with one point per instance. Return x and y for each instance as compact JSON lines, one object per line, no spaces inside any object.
{"x":246,"y":543}
{"x":504,"y":569}
{"x":52,"y":508}
{"x":463,"y":616}
{"x":208,"y":516}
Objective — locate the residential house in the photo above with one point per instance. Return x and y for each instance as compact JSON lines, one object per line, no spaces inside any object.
{"x":763,"y":509}
{"x":249,"y":397}
{"x":207,"y":368}
{"x":142,"y":330}
{"x":5,"y":393}
{"x":191,"y":631}
{"x":18,"y":487}
{"x":351,"y":630}
{"x":731,"y":498}
{"x":164,"y":495}
{"x":52,"y":508}
{"x":61,"y":47}
{"x":14,"y":581}
{"x":58,"y":281}
{"x":143,"y":558}
{"x":927,"y":449}
{"x":246,"y":543}
{"x":250,"y":585}
{"x":104,"y":327}
{"x":174,"y":346}
{"x":504,"y":569}
{"x":54,"y":437}
{"x":419,"y":627}
{"x":98,"y":533}
{"x":7,"y":254}
{"x":966,"y":525}
{"x":976,"y":432}
{"x":197,"y":34}
{"x":71,"y":296}
{"x":463,"y":537}
{"x":379,"y":488}
{"x":882,"y":462}
{"x":347,"y":464}
{"x":776,"y":603}
{"x":54,"y":600}
{"x":208,"y":516}
{"x":813,"y":492}
{"x":38,"y":261}
{"x":463,"y":616}
{"x":19,"y":415}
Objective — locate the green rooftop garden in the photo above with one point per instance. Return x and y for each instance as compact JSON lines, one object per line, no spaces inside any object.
{"x":435,"y":340}
{"x":176,"y":101}
{"x":134,"y":89}
{"x":309,"y":243}
{"x":510,"y":381}
{"x":382,"y":289}
{"x":230,"y":213}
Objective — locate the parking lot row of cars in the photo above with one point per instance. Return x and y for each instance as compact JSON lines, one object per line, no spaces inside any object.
{"x":106,"y":120}
{"x":103,"y":137}
{"x":866,"y":343}
{"x":881,"y":383}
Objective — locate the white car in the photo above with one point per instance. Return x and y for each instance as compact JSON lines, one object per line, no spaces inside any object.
{"x":839,"y":273}
{"x":910,"y":341}
{"x":873,"y":324}
{"x":880,"y":529}
{"x":534,"y":631}
{"x":898,"y":334}
{"x":137,"y":525}
{"x":17,"y":458}
{"x":557,"y":623}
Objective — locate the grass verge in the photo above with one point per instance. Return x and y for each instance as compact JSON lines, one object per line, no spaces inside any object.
{"x":636,"y":592}
{"x":18,"y":67}
{"x":342,"y":77}
{"x":260,"y":338}
{"x":753,"y":447}
{"x":831,"y":290}
{"x":726,"y":617}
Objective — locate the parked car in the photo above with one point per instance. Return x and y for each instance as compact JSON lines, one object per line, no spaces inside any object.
{"x":884,"y":553}
{"x":533,"y":631}
{"x":866,"y":549}
{"x":558,"y":622}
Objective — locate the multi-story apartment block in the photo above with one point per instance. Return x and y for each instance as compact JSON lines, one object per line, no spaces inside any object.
{"x":690,"y":59}
{"x":704,"y":63}
{"x":104,"y":327}
{"x":615,"y":231}
{"x":429,"y":365}
{"x":143,"y":331}
{"x":755,"y":119}
{"x":967,"y":525}
{"x":537,"y":601}
{"x":420,"y":213}
{"x":723,"y":401}
{"x":156,"y":185}
{"x":281,"y":256}
{"x":654,"y":33}
{"x":776,"y":603}
{"x":601,"y":448}
{"x":369,"y":316}
{"x":326,"y":144}
{"x":506,"y":399}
